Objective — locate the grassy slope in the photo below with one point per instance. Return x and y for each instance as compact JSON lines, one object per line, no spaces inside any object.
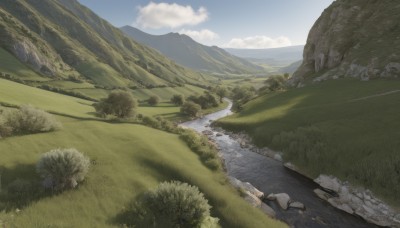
{"x":366,"y":131}
{"x":128,"y":162}
{"x":10,"y":65}
{"x":76,"y":107}
{"x":15,"y":93}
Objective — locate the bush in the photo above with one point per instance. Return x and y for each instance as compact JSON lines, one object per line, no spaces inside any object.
{"x":28,"y":119}
{"x":191,"y":109}
{"x":151,"y":122}
{"x":153,"y":100}
{"x":207,"y":100}
{"x":177,"y":204}
{"x":62,"y":168}
{"x":118,"y":103}
{"x":177,"y":99}
{"x":201,"y":145}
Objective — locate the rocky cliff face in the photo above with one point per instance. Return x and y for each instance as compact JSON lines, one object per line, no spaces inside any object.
{"x":353,"y":38}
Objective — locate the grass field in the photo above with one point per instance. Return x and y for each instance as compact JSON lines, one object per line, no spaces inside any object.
{"x":128,"y":160}
{"x":344,"y":127}
{"x":18,"y":94}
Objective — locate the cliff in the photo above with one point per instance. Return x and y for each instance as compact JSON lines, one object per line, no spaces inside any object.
{"x":353,"y":38}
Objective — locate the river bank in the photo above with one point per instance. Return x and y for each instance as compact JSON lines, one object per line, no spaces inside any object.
{"x":270,"y":176}
{"x":342,"y":195}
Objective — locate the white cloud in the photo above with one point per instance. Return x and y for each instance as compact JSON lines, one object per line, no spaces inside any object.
{"x":164,"y":15}
{"x":200,"y":36}
{"x":258,"y":42}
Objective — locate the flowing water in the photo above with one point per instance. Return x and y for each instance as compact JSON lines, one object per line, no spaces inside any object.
{"x":270,"y":176}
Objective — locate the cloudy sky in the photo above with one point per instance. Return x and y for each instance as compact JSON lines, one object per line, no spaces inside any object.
{"x":225,"y":23}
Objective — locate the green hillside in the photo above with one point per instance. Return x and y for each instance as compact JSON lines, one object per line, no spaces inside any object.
{"x":64,"y":40}
{"x":346,"y":128}
{"x":128,"y":159}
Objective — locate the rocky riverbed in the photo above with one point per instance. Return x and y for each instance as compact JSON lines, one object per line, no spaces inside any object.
{"x":290,"y":195}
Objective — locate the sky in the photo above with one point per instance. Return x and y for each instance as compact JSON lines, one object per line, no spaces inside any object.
{"x":251,"y":24}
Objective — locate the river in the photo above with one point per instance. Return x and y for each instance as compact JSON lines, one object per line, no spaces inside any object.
{"x":270,"y":176}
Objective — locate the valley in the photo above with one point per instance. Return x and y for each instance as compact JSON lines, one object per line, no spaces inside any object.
{"x":171,"y":114}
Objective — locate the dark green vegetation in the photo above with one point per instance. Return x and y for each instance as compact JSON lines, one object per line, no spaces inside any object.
{"x":346,"y":128}
{"x":175,"y":204}
{"x":189,"y":53}
{"x":191,"y":109}
{"x":118,"y":103}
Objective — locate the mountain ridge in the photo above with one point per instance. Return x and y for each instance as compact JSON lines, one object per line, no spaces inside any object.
{"x":62,"y":39}
{"x":187,"y":52}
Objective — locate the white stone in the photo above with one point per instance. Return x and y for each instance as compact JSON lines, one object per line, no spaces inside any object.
{"x":328,"y":182}
{"x":322,"y":194}
{"x":297,"y":205}
{"x":283,"y":200}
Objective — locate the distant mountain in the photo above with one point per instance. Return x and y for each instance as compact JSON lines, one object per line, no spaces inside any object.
{"x":290,"y":68}
{"x":187,"y":52}
{"x":61,"y":39}
{"x":354,"y":38}
{"x":279,"y":55}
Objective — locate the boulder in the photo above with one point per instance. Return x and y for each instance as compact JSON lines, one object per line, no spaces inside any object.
{"x":328,"y":182}
{"x":252,"y":199}
{"x":283,"y":200}
{"x":268,"y":210}
{"x":219,"y":134}
{"x":207,"y":132}
{"x":297,"y":205}
{"x":271,"y":197}
{"x":322,"y":194}
{"x":246,"y":186}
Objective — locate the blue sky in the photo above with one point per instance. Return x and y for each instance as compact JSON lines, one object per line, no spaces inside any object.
{"x":233,"y":23}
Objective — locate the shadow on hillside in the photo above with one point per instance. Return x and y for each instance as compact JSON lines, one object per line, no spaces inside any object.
{"x":20,"y":186}
{"x":134,"y":213}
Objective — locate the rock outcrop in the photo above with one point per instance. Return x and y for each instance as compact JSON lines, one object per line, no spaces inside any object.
{"x":355,"y":201}
{"x":353,"y":38}
{"x":252,"y":195}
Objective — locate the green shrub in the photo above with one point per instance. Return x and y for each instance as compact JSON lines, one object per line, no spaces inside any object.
{"x":118,"y":103}
{"x":62,"y":169}
{"x":177,"y":99}
{"x":151,"y":122}
{"x":200,"y":144}
{"x":191,"y":109}
{"x":28,"y":119}
{"x":153,"y":100}
{"x":176,"y":204}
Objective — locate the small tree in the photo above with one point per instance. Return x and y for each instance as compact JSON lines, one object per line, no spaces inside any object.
{"x":177,"y":204}
{"x":118,"y":103}
{"x":191,"y":109}
{"x":177,"y":99}
{"x":221,"y":92}
{"x":153,"y":100}
{"x":62,"y":168}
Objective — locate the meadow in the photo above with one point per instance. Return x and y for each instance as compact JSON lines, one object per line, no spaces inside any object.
{"x":127,"y":160}
{"x":347,"y":128}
